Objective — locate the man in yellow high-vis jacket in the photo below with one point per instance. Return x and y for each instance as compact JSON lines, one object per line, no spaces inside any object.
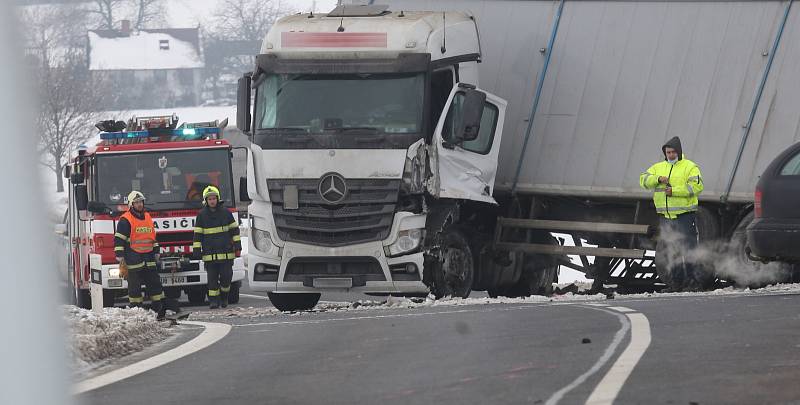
{"x":676,"y":182}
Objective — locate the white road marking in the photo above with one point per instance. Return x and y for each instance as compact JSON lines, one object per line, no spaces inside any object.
{"x":356,"y":318}
{"x":253,"y":296}
{"x":621,"y":309}
{"x":213,"y":332}
{"x":618,"y":337}
{"x":608,"y":388}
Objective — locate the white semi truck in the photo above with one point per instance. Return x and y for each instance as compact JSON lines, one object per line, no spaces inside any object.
{"x":380,"y":163}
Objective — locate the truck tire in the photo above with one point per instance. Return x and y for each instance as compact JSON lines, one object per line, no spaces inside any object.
{"x":109,"y":297}
{"x":538,"y":274}
{"x":196,"y":295}
{"x":173,"y":293}
{"x":453,"y":275}
{"x":294,"y":302}
{"x":82,"y":298}
{"x":233,"y":295}
{"x":708,"y":234}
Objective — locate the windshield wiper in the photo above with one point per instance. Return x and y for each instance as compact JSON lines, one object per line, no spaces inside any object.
{"x":284,"y":129}
{"x":353,"y":129}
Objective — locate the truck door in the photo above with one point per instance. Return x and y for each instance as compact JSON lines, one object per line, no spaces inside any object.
{"x":467,"y":143}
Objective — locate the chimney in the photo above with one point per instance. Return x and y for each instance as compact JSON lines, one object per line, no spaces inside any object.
{"x":125,"y":27}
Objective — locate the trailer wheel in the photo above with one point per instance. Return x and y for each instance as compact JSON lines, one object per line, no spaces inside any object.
{"x":294,"y":302}
{"x":196,"y":295}
{"x":233,"y":295}
{"x":453,"y":275}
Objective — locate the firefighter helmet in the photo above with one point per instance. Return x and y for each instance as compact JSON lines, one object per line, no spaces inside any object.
{"x":210,"y":190}
{"x":134,"y":196}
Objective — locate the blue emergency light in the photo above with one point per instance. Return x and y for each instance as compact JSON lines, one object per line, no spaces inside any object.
{"x":186,"y":134}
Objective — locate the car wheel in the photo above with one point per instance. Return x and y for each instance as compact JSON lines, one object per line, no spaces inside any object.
{"x":294,"y":302}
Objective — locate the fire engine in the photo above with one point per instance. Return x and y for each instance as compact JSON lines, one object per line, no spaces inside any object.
{"x":171,"y":165}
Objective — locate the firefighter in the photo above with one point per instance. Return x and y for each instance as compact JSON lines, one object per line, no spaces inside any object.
{"x":217,"y":243}
{"x":136,"y":248}
{"x":676,"y":182}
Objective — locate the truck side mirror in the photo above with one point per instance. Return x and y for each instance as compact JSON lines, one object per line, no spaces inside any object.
{"x":60,"y":229}
{"x":67,"y":171}
{"x":76,"y":178}
{"x":81,"y":197}
{"x":243,"y":103}
{"x":96,"y":207}
{"x":471,"y":113}
{"x":243,"y":195}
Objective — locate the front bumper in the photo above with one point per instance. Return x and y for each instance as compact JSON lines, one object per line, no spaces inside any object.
{"x":177,"y":279}
{"x":773,"y":239}
{"x":385,"y":275}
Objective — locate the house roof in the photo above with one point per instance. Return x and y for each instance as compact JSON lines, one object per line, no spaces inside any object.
{"x":177,"y":48}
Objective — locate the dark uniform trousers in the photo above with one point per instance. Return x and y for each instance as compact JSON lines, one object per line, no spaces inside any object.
{"x":142,"y":269}
{"x":220,"y":273}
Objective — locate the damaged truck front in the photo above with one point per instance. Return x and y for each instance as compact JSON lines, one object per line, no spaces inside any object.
{"x":372,"y":157}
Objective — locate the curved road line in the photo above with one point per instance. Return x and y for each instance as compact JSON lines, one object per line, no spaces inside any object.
{"x":213,"y":332}
{"x":618,"y":337}
{"x":608,"y":388}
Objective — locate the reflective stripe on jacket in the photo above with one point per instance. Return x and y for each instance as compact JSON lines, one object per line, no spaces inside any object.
{"x":686,"y":181}
{"x":216,"y":235}
{"x":142,"y":238}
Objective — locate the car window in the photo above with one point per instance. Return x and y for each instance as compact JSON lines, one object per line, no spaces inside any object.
{"x":792,"y":167}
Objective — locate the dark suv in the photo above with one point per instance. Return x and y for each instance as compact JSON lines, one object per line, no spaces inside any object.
{"x":774,"y":234}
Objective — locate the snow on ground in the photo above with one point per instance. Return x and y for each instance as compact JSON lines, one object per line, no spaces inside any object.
{"x":428,"y":302}
{"x":115,"y":333}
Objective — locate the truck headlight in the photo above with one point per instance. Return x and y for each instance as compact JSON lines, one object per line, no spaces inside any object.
{"x":262,"y":240}
{"x":406,"y":241}
{"x":113,"y":273}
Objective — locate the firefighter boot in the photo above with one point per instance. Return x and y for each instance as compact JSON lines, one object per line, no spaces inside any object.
{"x":223,"y":299}
{"x":159,"y":309}
{"x":213,"y":302}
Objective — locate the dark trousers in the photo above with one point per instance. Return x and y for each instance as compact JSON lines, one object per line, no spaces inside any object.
{"x":220,"y":274}
{"x":149,"y":276}
{"x":677,"y":240}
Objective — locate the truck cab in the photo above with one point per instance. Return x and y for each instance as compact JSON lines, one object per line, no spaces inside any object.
{"x":368,"y":139}
{"x":171,"y":166}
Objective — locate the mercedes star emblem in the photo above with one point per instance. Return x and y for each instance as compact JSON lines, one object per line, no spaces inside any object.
{"x":332,"y":188}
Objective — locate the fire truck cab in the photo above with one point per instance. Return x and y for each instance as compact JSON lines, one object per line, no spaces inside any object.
{"x":171,"y":165}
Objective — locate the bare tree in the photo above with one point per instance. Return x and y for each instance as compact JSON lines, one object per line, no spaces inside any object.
{"x":69,"y":99}
{"x":247,"y":20}
{"x":142,"y":13}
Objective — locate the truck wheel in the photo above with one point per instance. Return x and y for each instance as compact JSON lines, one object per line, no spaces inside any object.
{"x":453,"y":275}
{"x":82,"y":298}
{"x":173,"y":293}
{"x":109,"y":297}
{"x":708,"y":234}
{"x":196,"y":295}
{"x":294,"y":302}
{"x":233,"y":295}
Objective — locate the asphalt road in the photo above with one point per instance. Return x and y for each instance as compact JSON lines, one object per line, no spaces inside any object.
{"x":704,"y":350}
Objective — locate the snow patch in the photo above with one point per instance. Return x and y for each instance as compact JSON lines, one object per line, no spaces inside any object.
{"x":142,"y":50}
{"x":114,"y":333}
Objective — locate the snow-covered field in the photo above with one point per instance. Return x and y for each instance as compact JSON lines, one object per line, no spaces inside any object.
{"x":117,"y":332}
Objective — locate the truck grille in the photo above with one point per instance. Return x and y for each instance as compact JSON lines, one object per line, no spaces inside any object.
{"x":365,"y":214}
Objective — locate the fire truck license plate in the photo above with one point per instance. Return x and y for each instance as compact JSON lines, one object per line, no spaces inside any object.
{"x":172,"y":280}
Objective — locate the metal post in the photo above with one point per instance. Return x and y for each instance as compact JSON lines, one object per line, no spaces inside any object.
{"x":539,"y":86}
{"x":756,"y":102}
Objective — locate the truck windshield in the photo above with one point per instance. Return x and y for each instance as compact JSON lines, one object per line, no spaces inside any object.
{"x":168,"y":179}
{"x":350,"y":104}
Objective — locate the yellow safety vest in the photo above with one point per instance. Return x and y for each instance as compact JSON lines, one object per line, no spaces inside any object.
{"x":687,"y":184}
